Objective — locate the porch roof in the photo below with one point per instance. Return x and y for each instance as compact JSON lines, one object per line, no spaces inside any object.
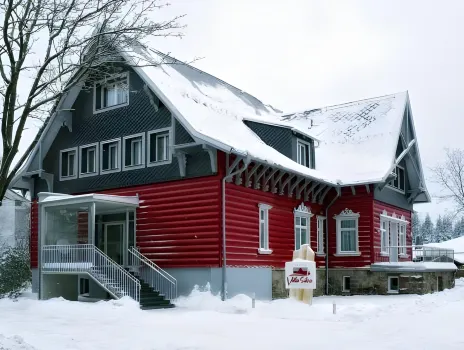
{"x":102,"y":201}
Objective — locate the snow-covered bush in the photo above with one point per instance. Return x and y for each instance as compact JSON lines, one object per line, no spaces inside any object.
{"x":15,"y":272}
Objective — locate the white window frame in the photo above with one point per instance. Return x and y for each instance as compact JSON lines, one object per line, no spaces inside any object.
{"x":302,"y":212}
{"x":307,"y":147}
{"x":402,"y":251}
{"x":128,"y":138}
{"x":76,"y":163}
{"x":97,"y":167}
{"x":393,"y":291}
{"x":402,"y":222}
{"x":344,"y":289}
{"x":393,"y":187}
{"x":384,"y":250}
{"x":264,"y":245}
{"x":118,"y":158}
{"x":321,"y":223}
{"x":347,"y":214}
{"x":102,"y":83}
{"x":169,"y":145}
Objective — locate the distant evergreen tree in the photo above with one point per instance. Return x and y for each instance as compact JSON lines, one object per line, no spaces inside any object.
{"x":447,"y":228}
{"x":438,"y":231}
{"x":459,"y":228}
{"x":427,"y":230}
{"x":417,"y":238}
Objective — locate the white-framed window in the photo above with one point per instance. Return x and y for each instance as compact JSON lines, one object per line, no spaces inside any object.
{"x":159,"y":147}
{"x":133,"y":155}
{"x":384,"y":236}
{"x":303,"y":155}
{"x":402,"y":239}
{"x":320,"y":234}
{"x":111,"y":93}
{"x":346,"y":284}
{"x":347,"y":233}
{"x":393,"y":284}
{"x":88,"y":160}
{"x":68,"y":164}
{"x":110,"y":156}
{"x":264,"y":228}
{"x":302,"y":217}
{"x":399,"y":182}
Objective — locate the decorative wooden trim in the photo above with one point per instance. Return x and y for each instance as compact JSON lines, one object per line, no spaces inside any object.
{"x":353,"y":190}
{"x":182,"y":161}
{"x":302,"y":209}
{"x":267,"y":178}
{"x":321,"y":187}
{"x":308,"y":192}
{"x":212,"y":152}
{"x":249,"y":174}
{"x":275,"y":181}
{"x":292,"y":188}
{"x":321,"y":198}
{"x":368,"y":188}
{"x":231,"y":168}
{"x":258,"y":177}
{"x":300,"y":189}
{"x":286,"y":182}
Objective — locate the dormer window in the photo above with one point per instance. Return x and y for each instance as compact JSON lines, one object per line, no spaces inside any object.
{"x":111,"y":93}
{"x":398,"y":183}
{"x":303,"y":153}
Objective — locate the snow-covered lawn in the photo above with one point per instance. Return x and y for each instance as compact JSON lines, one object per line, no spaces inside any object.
{"x":202,"y":321}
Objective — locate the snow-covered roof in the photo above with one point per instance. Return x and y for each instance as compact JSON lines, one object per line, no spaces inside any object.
{"x":457,"y":244}
{"x":408,"y":266}
{"x":59,"y":199}
{"x":358,"y":140}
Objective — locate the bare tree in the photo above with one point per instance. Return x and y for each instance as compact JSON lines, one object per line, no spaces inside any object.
{"x":450,"y":175}
{"x":49,"y":46}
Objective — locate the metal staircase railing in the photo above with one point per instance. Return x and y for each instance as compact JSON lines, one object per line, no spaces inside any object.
{"x":87,"y":258}
{"x":155,"y":276}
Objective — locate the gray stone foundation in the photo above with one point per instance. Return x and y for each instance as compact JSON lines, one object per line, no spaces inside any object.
{"x":363,"y":281}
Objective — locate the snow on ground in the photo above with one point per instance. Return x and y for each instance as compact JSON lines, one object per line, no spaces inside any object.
{"x":202,"y":321}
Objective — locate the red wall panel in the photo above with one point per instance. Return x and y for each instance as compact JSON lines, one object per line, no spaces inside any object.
{"x":361,"y":202}
{"x":379,"y":207}
{"x":242,"y":223}
{"x":34,"y":243}
{"x":178,"y":222}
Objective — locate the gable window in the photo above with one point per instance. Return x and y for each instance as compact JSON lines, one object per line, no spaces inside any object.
{"x":320,"y":234}
{"x":398,"y":183}
{"x":384,"y":236}
{"x":264,"y":229}
{"x":68,"y":164}
{"x":111,"y":93}
{"x":159,"y":150}
{"x":347,"y":233}
{"x":134,"y":151}
{"x":302,"y":226}
{"x":303,"y":153}
{"x":88,"y":157}
{"x":110,"y":155}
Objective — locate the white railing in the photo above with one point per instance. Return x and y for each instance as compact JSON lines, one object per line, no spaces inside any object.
{"x":155,"y":276}
{"x":413,"y":253}
{"x":87,"y":258}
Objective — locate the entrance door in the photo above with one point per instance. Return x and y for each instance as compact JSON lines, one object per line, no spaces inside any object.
{"x":393,"y":242}
{"x":114,"y":241}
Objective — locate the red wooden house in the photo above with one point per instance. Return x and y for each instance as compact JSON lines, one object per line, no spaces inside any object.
{"x":195,"y":182}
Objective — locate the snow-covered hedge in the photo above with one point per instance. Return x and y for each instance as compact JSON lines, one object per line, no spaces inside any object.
{"x":15,"y":272}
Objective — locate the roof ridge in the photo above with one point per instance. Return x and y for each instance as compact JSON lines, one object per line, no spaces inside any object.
{"x":209,"y":74}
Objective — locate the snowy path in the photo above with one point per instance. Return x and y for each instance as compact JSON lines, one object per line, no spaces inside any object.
{"x":204,"y":322}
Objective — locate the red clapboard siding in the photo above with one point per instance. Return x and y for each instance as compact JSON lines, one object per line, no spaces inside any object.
{"x":242,"y":223}
{"x":361,"y":202}
{"x":178,"y":222}
{"x":379,"y":207}
{"x":34,"y":243}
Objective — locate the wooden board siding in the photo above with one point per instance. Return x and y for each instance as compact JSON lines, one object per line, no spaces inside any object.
{"x":379,"y":207}
{"x":178,"y":222}
{"x":242,"y":223}
{"x":362,"y":203}
{"x":34,"y":243}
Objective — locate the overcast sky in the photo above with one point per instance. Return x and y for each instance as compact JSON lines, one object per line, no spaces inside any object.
{"x":305,"y":54}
